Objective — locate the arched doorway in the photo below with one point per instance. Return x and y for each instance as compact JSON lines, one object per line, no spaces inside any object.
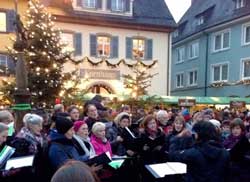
{"x":100,"y":88}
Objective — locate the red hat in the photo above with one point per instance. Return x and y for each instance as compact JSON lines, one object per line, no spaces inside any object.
{"x":78,"y":124}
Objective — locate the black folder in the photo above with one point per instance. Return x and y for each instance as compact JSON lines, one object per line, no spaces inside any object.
{"x":103,"y":158}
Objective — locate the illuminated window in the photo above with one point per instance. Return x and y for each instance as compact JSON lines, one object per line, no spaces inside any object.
{"x":103,"y":46}
{"x":117,"y":5}
{"x":3,"y":22}
{"x":139,"y":48}
{"x":67,"y":40}
{"x":90,"y":3}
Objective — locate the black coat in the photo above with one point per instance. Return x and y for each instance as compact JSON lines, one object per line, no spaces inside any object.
{"x":206,"y":162}
{"x":151,"y":150}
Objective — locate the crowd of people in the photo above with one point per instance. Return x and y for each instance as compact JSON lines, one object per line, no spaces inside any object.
{"x":215,"y":145}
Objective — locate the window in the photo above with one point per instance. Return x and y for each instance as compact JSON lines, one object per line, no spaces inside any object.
{"x":180,"y":55}
{"x":246,"y":69}
{"x":103,"y":46}
{"x":90,"y":3}
{"x":67,"y":40}
{"x":3,"y":64}
{"x":192,"y":78}
{"x":117,"y":5}
{"x":240,"y":4}
{"x":3,"y":22}
{"x":200,"y":20}
{"x":179,"y":80}
{"x":193,"y":50}
{"x":246,"y":34}
{"x":138,"y":48}
{"x":221,"y":41}
{"x":219,"y":72}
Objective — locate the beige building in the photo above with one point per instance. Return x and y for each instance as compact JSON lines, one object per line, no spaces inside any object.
{"x":103,"y":33}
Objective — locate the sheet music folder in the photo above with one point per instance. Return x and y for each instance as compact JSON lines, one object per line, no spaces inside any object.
{"x":103,"y":158}
{"x":19,"y":162}
{"x":169,"y":168}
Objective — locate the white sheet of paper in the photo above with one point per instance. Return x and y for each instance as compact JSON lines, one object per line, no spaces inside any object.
{"x":169,"y":168}
{"x":178,"y":167}
{"x":19,"y":162}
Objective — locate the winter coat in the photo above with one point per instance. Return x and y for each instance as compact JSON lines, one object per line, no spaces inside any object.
{"x":151,"y":149}
{"x":62,"y":149}
{"x":100,"y":146}
{"x":26,"y":143}
{"x":83,"y":147}
{"x":206,"y":162}
{"x":238,"y":148}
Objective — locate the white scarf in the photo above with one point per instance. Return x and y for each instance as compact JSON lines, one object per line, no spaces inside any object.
{"x":89,"y":152}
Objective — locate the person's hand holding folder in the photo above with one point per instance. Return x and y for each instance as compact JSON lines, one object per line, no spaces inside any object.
{"x":96,"y":168}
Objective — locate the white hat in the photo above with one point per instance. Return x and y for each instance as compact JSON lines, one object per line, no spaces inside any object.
{"x":215,"y":122}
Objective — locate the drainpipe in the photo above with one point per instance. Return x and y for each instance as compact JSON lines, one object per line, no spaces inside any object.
{"x":169,"y":64}
{"x":206,"y":65}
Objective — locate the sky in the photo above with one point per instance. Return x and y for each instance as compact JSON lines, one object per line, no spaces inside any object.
{"x":178,"y":7}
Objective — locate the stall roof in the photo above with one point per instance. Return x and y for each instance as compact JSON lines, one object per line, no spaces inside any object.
{"x":201,"y":100}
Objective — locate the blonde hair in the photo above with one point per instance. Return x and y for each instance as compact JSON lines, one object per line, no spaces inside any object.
{"x":97,"y":126}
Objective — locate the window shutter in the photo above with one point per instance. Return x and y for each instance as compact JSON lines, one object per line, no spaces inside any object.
{"x":93,"y":44}
{"x":99,"y":4}
{"x":127,"y":5}
{"x":79,"y":3}
{"x":128,"y":48}
{"x":11,"y":18}
{"x":149,"y":51}
{"x":78,"y":44}
{"x":109,"y":4}
{"x":11,"y":65}
{"x":114,"y":47}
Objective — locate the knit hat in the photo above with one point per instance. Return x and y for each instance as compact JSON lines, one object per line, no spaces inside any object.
{"x":63,"y":124}
{"x":78,"y":124}
{"x":185,"y":113}
{"x":125,"y":116}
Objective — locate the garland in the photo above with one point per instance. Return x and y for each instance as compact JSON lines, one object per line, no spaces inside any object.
{"x":114,"y":65}
{"x":21,"y":107}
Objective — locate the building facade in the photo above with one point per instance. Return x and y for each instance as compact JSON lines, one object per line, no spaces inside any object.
{"x":211,"y":50}
{"x":103,"y":33}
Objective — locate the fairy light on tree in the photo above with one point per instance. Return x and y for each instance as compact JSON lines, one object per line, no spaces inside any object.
{"x":139,"y":81}
{"x":43,"y":55}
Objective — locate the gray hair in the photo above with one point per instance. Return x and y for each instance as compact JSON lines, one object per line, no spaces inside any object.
{"x":161,"y":113}
{"x":58,"y":108}
{"x":97,"y":126}
{"x":5,"y":116}
{"x":3,"y":127}
{"x":33,"y":119}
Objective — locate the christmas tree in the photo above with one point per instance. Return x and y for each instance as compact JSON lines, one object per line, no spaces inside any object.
{"x":139,"y":81}
{"x":44,"y":56}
